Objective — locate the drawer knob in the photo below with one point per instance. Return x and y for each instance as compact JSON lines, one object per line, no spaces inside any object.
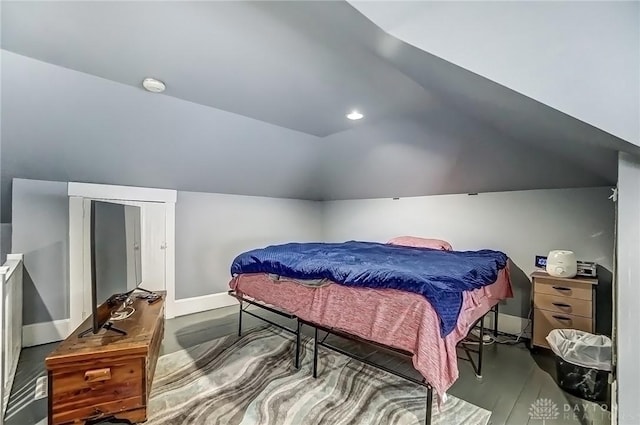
{"x":561,"y":288}
{"x":564,"y":319}
{"x":97,"y":375}
{"x":561,"y":305}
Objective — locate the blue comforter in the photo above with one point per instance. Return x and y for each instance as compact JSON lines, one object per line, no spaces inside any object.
{"x":440,"y":276}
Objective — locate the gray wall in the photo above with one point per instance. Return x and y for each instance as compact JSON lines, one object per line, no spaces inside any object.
{"x":41,"y":233}
{"x":628,"y":290}
{"x":5,"y":241}
{"x":212,"y":229}
{"x":522,"y":224}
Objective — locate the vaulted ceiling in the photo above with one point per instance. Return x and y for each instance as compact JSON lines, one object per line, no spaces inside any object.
{"x":255,"y":104}
{"x":581,"y":58}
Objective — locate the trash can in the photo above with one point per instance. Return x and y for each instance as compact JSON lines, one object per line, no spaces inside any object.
{"x":583,"y":362}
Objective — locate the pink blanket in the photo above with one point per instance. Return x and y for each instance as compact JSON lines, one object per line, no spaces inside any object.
{"x":398,"y":319}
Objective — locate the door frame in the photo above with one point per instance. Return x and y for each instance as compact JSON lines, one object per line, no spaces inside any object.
{"x":78,"y":192}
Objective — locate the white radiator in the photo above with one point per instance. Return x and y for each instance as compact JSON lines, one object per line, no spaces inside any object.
{"x":10,"y":323}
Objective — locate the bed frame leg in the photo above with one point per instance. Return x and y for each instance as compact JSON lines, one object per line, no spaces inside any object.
{"x":480,"y":349}
{"x":315,"y":353}
{"x":429,"y":410}
{"x":495,"y":321}
{"x":298,"y":329}
{"x":240,"y":321}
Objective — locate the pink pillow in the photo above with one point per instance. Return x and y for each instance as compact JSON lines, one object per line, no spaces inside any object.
{"x":416,"y":242}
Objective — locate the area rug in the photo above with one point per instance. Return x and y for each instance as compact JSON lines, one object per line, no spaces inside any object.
{"x":251,"y":381}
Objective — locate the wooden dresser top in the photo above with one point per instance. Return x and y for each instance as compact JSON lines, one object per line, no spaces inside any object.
{"x":140,"y":327}
{"x":583,"y":280}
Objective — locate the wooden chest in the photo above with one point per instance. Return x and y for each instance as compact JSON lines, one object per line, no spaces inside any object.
{"x":107,"y":374}
{"x":561,"y":303}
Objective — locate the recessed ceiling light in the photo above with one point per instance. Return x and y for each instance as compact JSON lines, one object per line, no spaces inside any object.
{"x":153,"y":85}
{"x":355,"y":115}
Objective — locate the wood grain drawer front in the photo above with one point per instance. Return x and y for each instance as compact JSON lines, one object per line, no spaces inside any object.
{"x":90,"y":387}
{"x":97,"y":411}
{"x":563,"y":305}
{"x":545,"y":321}
{"x":562,"y":289}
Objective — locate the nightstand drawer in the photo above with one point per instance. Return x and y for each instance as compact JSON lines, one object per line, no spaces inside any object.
{"x":546,"y":321}
{"x":562,"y":288}
{"x":563,"y":305}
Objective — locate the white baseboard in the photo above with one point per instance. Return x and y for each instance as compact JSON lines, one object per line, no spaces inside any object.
{"x":44,"y":333}
{"x":508,"y":324}
{"x":206,"y":302}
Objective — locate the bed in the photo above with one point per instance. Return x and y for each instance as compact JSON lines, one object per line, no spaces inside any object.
{"x":387,"y":315}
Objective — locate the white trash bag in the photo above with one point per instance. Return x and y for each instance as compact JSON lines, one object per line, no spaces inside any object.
{"x":581,"y":348}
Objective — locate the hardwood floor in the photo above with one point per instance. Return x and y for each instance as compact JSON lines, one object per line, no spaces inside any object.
{"x":512,"y":380}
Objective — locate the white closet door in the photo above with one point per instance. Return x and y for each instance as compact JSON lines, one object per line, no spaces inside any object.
{"x":154,"y":243}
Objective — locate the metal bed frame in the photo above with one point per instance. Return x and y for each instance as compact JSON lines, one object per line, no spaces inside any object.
{"x":317,"y":342}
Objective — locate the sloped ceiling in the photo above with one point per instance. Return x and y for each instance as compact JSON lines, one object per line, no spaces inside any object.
{"x":255,"y":104}
{"x":580,"y":57}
